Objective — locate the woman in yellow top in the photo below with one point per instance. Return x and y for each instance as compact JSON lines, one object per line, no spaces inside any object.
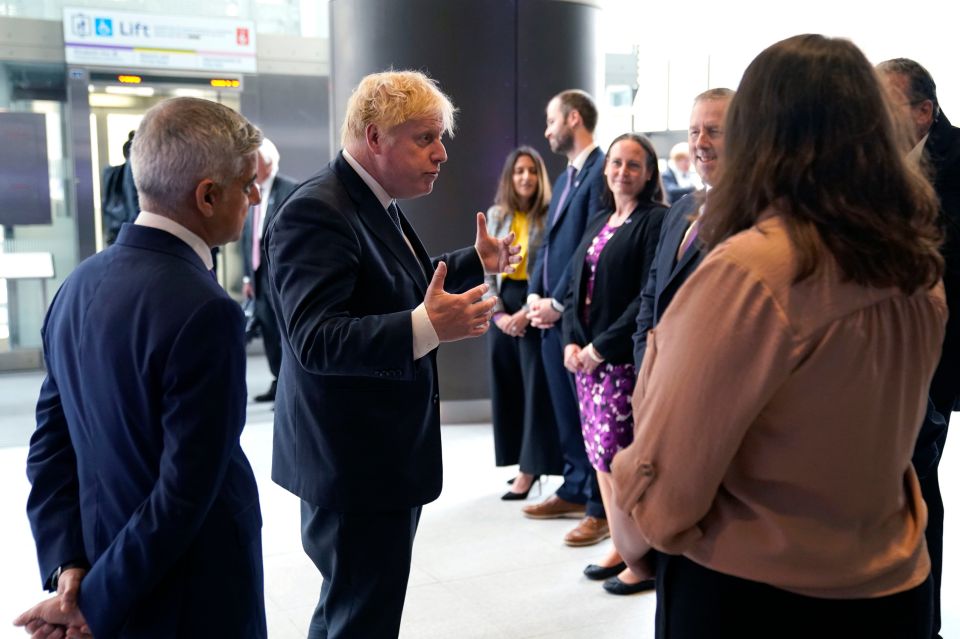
{"x":524,"y":429}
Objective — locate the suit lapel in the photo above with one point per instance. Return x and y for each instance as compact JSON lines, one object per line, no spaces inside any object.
{"x":578,"y":179}
{"x":673,"y":244}
{"x":375,"y":218}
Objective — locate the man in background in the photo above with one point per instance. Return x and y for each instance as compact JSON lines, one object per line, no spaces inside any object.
{"x":274,"y":189}
{"x":571,"y":121}
{"x":914,"y":93}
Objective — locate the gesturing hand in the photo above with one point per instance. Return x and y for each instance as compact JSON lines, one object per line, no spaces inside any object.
{"x":457,"y":316}
{"x":496,"y":254}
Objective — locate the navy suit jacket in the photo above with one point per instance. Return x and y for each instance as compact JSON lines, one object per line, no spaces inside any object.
{"x":136,"y":466}
{"x":357,"y":422}
{"x":622,"y":271}
{"x":566,"y":229}
{"x":666,"y":274}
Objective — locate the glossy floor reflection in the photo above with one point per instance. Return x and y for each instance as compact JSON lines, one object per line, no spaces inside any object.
{"x":480,"y":569}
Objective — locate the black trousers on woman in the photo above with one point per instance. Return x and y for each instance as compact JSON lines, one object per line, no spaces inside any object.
{"x":524,"y":428}
{"x":696,"y":602}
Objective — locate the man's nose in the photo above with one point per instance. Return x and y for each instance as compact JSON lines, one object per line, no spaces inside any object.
{"x":440,"y":153}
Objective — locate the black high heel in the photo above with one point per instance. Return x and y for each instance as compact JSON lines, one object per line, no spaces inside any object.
{"x":512,"y":496}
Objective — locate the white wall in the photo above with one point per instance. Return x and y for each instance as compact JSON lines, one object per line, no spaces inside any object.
{"x":709,"y":44}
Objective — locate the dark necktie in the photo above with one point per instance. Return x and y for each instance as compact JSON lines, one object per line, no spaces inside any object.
{"x":394,"y":214}
{"x":571,"y":176}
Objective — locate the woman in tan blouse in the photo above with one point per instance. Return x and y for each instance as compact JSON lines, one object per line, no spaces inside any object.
{"x":781,"y":395}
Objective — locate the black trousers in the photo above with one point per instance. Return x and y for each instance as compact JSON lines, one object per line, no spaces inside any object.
{"x":524,"y":428}
{"x":580,"y":484}
{"x":364,"y":559}
{"x":267,"y":319}
{"x":930,"y":489}
{"x":695,"y":602}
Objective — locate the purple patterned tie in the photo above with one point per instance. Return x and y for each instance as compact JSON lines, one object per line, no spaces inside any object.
{"x":571,"y":174}
{"x":690,"y":239}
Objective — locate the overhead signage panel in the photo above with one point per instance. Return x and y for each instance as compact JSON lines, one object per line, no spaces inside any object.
{"x":149,"y":41}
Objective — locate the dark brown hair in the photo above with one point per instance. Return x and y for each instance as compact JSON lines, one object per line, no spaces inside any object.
{"x":507,"y":197}
{"x":810,"y":134}
{"x":582,"y":103}
{"x":653,"y":190}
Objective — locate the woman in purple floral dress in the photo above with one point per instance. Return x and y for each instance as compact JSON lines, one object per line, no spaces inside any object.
{"x":609,"y":271}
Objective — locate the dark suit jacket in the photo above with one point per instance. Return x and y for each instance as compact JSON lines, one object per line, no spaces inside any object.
{"x":666,"y":273}
{"x":621,"y":273}
{"x":943,"y":152}
{"x":357,"y":423}
{"x":136,"y":464}
{"x":565,"y":232}
{"x":282,"y":187}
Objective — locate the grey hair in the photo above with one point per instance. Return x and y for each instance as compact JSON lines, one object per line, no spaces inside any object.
{"x":182,"y":141}
{"x":922,"y":86}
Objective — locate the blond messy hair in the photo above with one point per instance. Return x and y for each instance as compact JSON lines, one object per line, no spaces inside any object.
{"x":389,"y":99}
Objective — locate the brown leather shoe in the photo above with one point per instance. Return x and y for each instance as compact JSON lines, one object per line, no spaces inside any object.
{"x":589,"y":531}
{"x":554,"y":508}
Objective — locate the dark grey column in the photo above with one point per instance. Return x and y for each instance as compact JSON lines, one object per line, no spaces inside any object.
{"x":294,"y":112}
{"x":500,"y":61}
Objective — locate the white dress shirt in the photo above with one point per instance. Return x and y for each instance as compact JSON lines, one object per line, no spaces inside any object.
{"x":145,"y":218}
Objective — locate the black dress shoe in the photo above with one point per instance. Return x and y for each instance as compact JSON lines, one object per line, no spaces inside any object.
{"x":600,"y":573}
{"x":512,"y":496}
{"x":615,"y":586}
{"x":269,"y":396}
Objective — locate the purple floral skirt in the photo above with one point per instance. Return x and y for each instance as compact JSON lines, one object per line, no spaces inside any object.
{"x":606,"y":418}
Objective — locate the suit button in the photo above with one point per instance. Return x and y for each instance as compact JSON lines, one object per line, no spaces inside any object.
{"x":436,"y":399}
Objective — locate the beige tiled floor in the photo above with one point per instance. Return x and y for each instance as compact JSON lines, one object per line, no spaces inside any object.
{"x":480,"y":570}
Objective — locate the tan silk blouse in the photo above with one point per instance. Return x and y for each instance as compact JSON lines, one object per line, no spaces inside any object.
{"x":775,"y":424}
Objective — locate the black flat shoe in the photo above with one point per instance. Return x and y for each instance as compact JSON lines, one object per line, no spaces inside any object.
{"x":269,"y":396}
{"x":615,"y":586}
{"x":512,"y":496}
{"x":601,"y":573}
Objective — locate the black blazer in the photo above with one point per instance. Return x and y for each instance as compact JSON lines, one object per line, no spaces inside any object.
{"x":943,"y":152}
{"x":666,"y":273}
{"x":564,"y":234}
{"x":357,"y":421}
{"x":621,"y":272}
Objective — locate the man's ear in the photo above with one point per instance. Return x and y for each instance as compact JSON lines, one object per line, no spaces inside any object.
{"x":206,"y":195}
{"x":573,"y":118}
{"x":374,"y":137}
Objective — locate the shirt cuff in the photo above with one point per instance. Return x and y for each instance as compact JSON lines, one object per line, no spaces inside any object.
{"x":424,"y":335}
{"x":593,"y":354}
{"x":531,"y":298}
{"x":555,"y":305}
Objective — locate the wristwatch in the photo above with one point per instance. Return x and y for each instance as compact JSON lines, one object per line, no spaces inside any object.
{"x":55,"y":579}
